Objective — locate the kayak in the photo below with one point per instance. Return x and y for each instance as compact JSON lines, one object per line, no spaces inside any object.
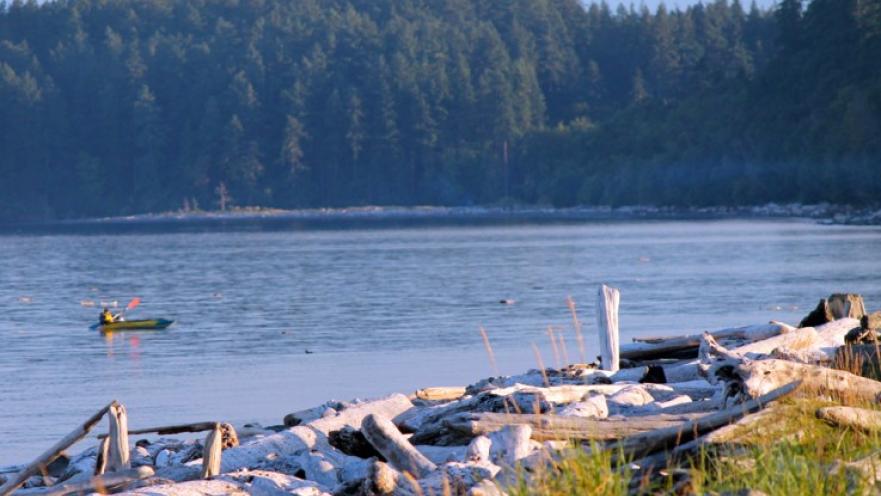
{"x":133,"y":325}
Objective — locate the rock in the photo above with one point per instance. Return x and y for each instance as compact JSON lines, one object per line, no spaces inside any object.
{"x":140,"y":457}
{"x":654,"y":375}
{"x":163,"y":458}
{"x":871,"y":321}
{"x":352,"y":442}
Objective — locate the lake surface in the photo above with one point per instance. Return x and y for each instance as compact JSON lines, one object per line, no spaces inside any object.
{"x":382,"y":308}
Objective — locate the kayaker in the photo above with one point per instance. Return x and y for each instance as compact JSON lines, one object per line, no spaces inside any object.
{"x":107,"y":317}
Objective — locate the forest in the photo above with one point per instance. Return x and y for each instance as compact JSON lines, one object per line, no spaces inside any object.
{"x":117,"y":107}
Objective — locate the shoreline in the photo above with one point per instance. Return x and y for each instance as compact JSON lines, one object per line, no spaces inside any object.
{"x":823,"y":213}
{"x":487,"y":437}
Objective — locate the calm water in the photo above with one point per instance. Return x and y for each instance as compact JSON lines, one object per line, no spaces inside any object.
{"x":382,"y":309}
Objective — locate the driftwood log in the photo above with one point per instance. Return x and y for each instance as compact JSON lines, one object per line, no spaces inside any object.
{"x":757,"y":378}
{"x":857,"y":418}
{"x":44,"y":459}
{"x":607,"y":324}
{"x":440,"y":393}
{"x":212,"y":454}
{"x":651,"y":348}
{"x":118,"y":455}
{"x":394,"y":447}
{"x":99,"y":483}
{"x":551,"y":427}
{"x":666,"y":439}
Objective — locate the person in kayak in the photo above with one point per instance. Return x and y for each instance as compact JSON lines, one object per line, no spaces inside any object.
{"x":107,"y":317}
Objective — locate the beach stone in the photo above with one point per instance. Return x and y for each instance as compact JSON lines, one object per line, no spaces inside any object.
{"x":352,"y":442}
{"x":140,"y":457}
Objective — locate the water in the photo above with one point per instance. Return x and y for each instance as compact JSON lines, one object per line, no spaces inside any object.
{"x":383,"y":309}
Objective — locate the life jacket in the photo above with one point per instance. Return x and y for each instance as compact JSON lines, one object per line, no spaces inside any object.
{"x":106,"y":317}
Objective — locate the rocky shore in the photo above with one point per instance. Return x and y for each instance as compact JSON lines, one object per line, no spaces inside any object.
{"x":650,"y":404}
{"x":823,"y":212}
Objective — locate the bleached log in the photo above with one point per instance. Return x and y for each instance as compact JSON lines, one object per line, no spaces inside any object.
{"x":103,"y":454}
{"x":385,"y":480}
{"x":442,"y":454}
{"x":757,"y":378}
{"x":46,"y":457}
{"x":98,"y":483}
{"x":607,"y":323}
{"x":172,"y":429}
{"x":867,"y":468}
{"x":667,"y":438}
{"x":746,"y":333}
{"x":389,"y":441}
{"x":213,"y":450}
{"x":857,"y":418}
{"x":440,"y":393}
{"x":510,"y":444}
{"x":551,"y":427}
{"x":118,"y":457}
{"x":649,"y":348}
{"x":389,"y":407}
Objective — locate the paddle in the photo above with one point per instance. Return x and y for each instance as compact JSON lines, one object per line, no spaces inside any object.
{"x":132,"y":304}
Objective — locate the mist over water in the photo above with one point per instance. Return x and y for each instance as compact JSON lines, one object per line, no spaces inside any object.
{"x":383,"y":309}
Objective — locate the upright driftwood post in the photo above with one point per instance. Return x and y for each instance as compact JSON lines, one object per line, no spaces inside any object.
{"x":607,"y":322}
{"x":52,"y":453}
{"x":118,"y":458}
{"x":103,"y":455}
{"x":212,"y":454}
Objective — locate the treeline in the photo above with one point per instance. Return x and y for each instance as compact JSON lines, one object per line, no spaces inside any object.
{"x":112,"y":107}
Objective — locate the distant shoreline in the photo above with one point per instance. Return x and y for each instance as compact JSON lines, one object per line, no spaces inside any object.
{"x":824,"y":213}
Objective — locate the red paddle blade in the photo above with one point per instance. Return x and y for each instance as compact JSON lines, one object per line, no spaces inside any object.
{"x":132,"y":304}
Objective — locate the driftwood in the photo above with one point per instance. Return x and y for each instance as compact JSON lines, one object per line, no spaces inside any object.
{"x":171,"y":429}
{"x":394,"y":447}
{"x":607,"y":323}
{"x":862,"y":358}
{"x":757,"y":378}
{"x":440,"y":393}
{"x":837,"y":306}
{"x":384,"y":479}
{"x":118,"y":456}
{"x":44,"y":459}
{"x":857,"y":418}
{"x":211,"y":456}
{"x":551,"y":427}
{"x":668,"y":438}
{"x":651,"y":348}
{"x":103,"y":454}
{"x":98,"y":483}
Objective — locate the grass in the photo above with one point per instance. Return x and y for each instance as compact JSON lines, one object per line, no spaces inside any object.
{"x":788,"y":452}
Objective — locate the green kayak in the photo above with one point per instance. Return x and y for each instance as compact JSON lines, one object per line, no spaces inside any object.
{"x":134,"y":325}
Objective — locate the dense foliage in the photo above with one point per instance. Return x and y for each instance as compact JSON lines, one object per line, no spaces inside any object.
{"x":120,"y":106}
